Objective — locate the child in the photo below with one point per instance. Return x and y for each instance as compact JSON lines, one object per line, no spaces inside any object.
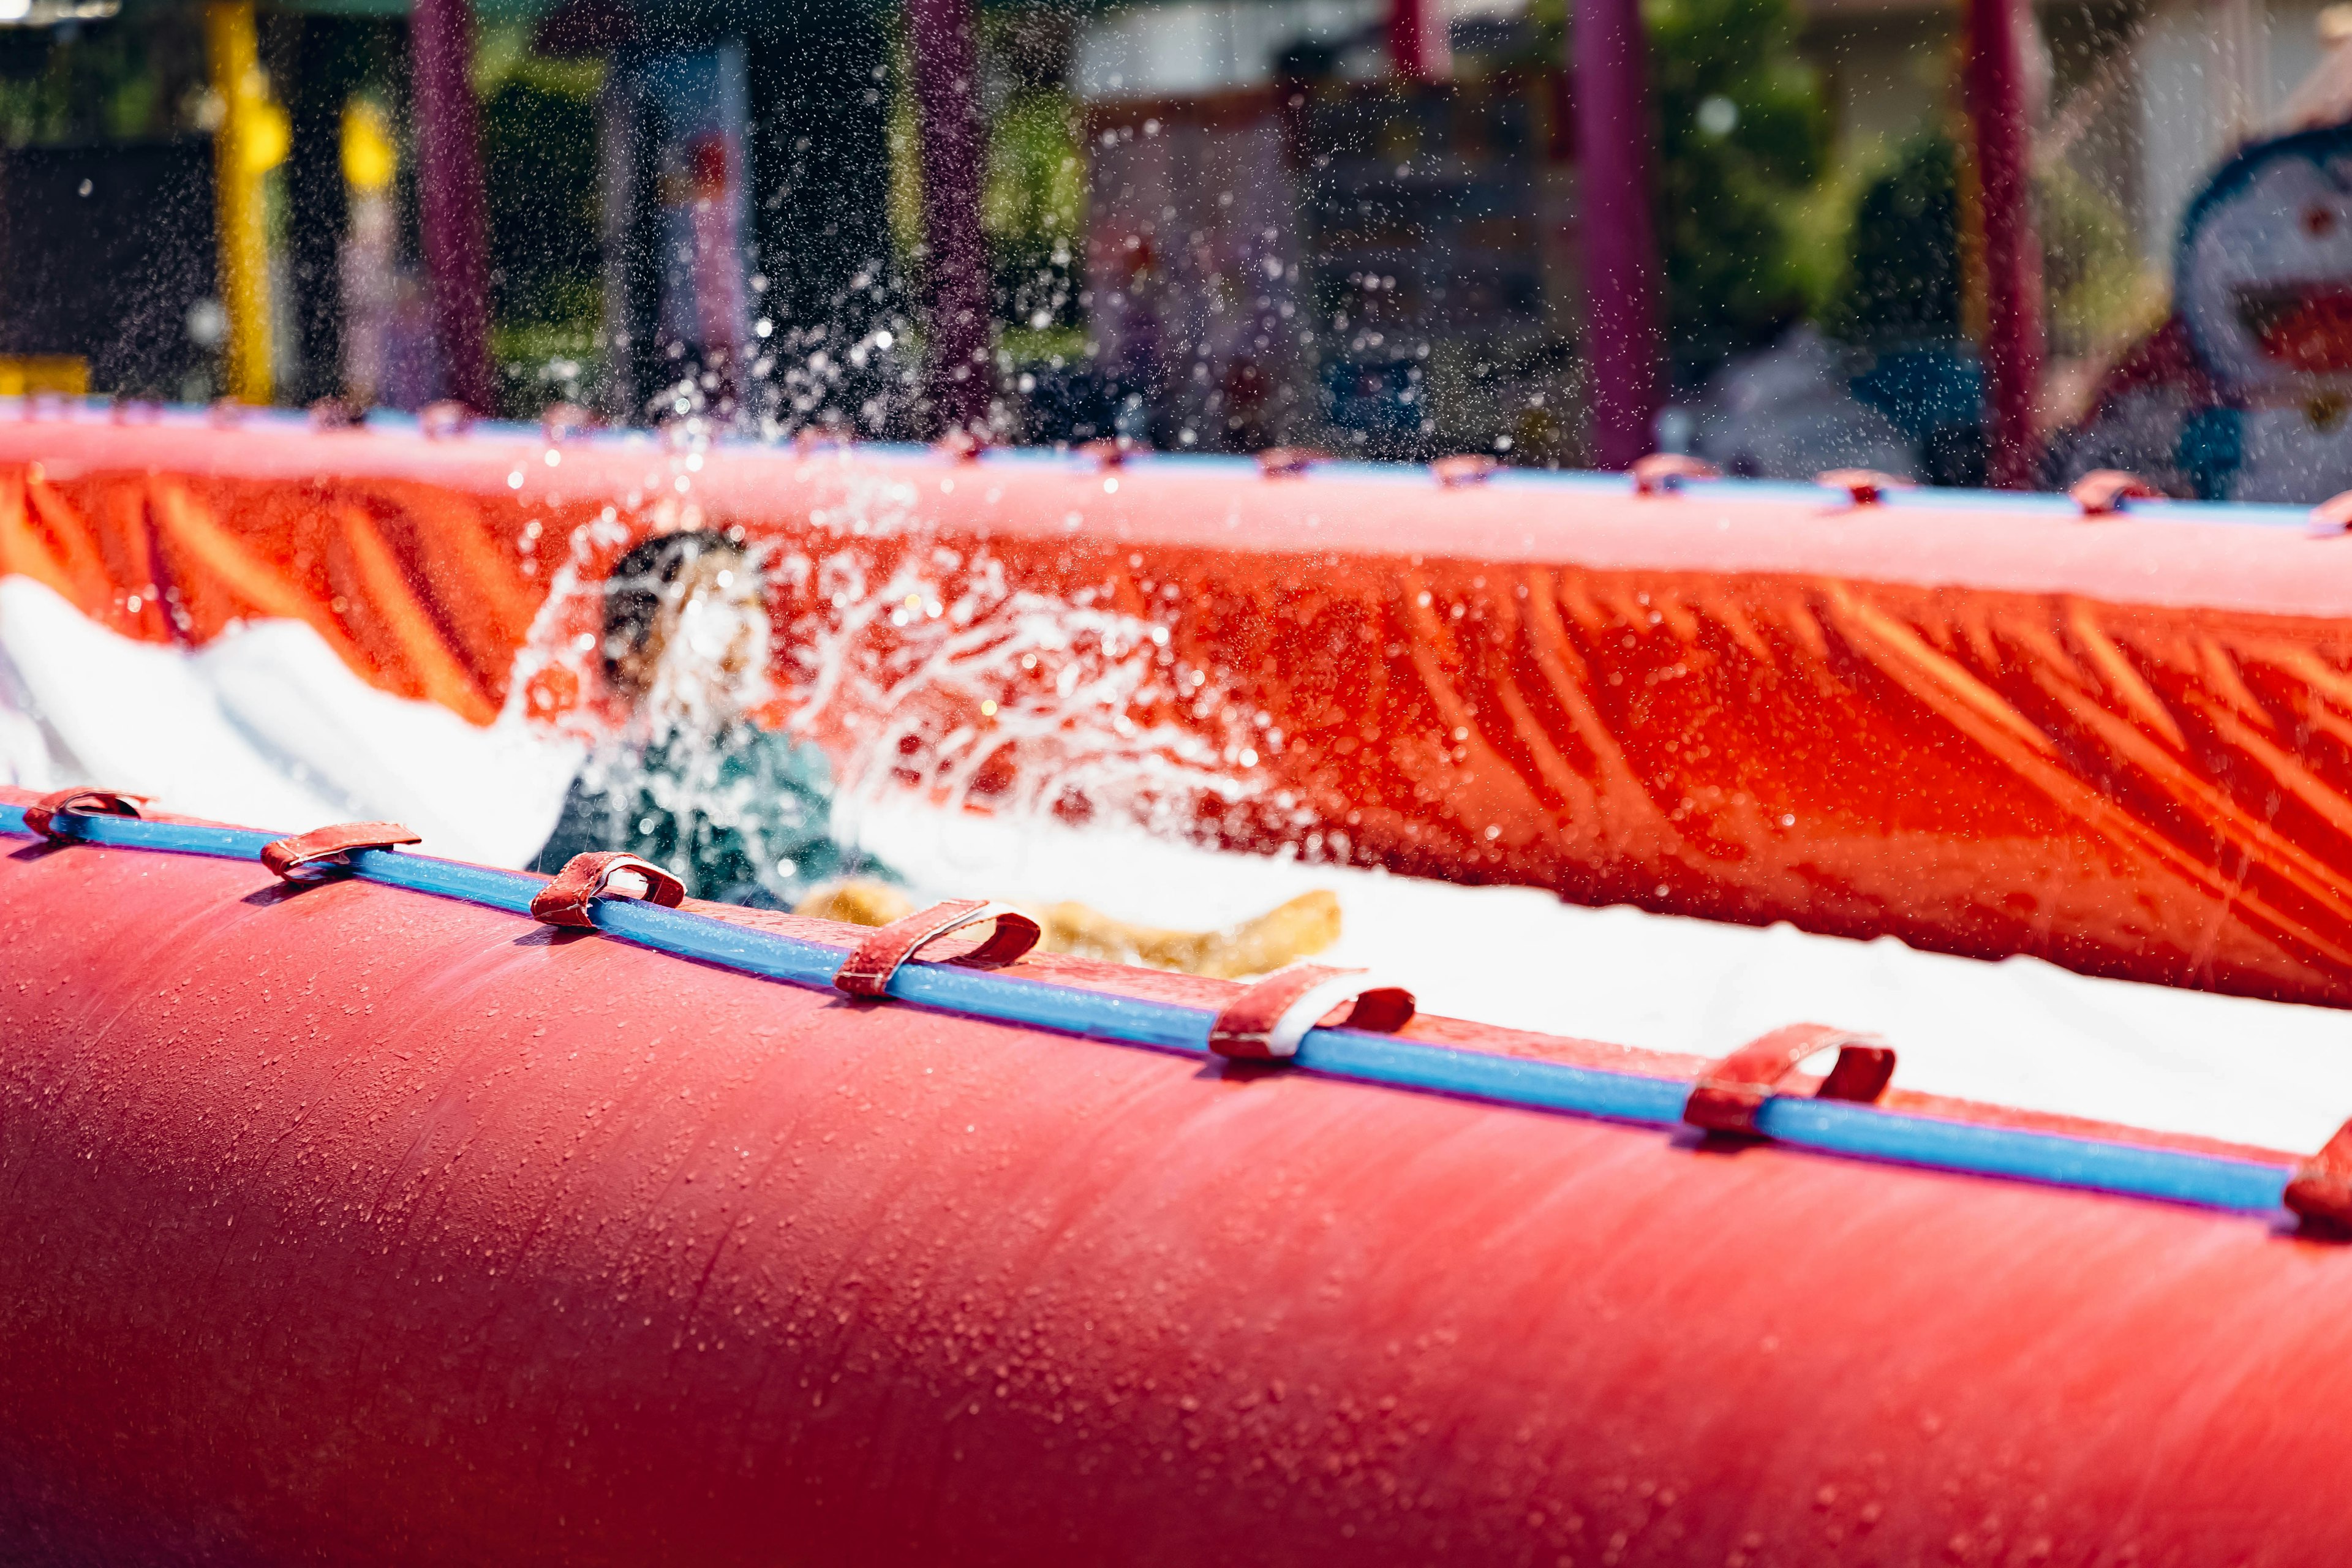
{"x":738,"y":813}
{"x":743,"y":815}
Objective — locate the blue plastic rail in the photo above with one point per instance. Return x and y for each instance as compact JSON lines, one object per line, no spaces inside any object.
{"x":1833,"y":1126}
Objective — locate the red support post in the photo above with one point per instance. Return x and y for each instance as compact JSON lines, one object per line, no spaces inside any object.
{"x":455,"y":215}
{"x":1419,"y":49}
{"x":1624,"y":344}
{"x":2012,"y":252}
{"x":954,"y":158}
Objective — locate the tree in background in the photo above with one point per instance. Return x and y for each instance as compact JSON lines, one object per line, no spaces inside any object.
{"x":1744,"y":132}
{"x":2100,"y":296}
{"x":1032,"y":204}
{"x":540,"y":161}
{"x":112,"y":81}
{"x":1902,"y":283}
{"x":1903,"y":296}
{"x":539,"y":151}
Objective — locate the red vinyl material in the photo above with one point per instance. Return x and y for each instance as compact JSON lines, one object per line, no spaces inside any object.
{"x":1864,"y":487}
{"x":2124,"y":747}
{"x":2102,"y":492}
{"x":584,"y":877}
{"x":1007,"y":934}
{"x":1662,"y":472}
{"x":1252,"y":1026}
{"x":342,"y":1224}
{"x":1730,"y":1093}
{"x":42,"y":815}
{"x":2321,"y":1189}
{"x":323,"y":850}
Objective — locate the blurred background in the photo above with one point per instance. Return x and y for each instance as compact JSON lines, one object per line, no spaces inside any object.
{"x":1963,"y":244}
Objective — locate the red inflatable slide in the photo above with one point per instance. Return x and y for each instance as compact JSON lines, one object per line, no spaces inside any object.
{"x":372,"y":1219}
{"x":1987,"y":726}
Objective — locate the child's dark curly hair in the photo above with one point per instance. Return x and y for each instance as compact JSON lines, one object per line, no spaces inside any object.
{"x":640,"y":585}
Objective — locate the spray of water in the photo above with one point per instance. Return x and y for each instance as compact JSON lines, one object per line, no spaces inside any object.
{"x":921,"y":667}
{"x":953,"y":682}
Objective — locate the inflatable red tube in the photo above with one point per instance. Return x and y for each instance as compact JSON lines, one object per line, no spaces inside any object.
{"x":1986,"y":727}
{"x":346,"y":1224}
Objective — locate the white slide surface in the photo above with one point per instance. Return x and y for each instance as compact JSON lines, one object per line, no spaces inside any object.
{"x":267,"y":727}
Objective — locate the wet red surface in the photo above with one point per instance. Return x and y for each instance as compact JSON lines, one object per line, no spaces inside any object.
{"x":352,"y":1225}
{"x":2123,"y":746}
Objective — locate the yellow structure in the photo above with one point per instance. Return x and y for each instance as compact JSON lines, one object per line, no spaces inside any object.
{"x":370,"y":158}
{"x":251,"y":139}
{"x":23,"y":375}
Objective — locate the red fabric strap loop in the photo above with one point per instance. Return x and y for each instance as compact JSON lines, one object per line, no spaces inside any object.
{"x":1864,"y":487}
{"x":1267,"y":1022}
{"x":2320,"y":1191}
{"x":564,"y":901}
{"x":1289,"y":462}
{"x":1729,"y":1093}
{"x":307,"y":857}
{"x":1463,"y":469}
{"x":41,"y":816}
{"x":2332,"y":518}
{"x":2103,"y":492}
{"x":1662,"y":473}
{"x":866,"y":972}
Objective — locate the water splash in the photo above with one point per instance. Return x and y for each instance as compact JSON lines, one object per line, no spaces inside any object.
{"x":920,"y":667}
{"x":950,"y":680}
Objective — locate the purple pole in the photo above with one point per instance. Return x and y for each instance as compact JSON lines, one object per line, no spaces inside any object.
{"x":1624,"y":345}
{"x":954,"y":156}
{"x":2012,"y":254}
{"x":456,"y":216}
{"x":1419,"y":47}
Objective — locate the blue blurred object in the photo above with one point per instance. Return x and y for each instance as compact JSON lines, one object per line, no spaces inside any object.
{"x":1924,"y":390}
{"x":1934,"y":394}
{"x":1380,"y":398}
{"x":2212,"y":447}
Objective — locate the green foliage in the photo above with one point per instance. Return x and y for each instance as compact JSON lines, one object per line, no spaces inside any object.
{"x":540,"y":362}
{"x":1032,"y":207}
{"x":1743,"y":133}
{"x":1036,"y":186}
{"x":905,"y":200}
{"x":1903,"y":271}
{"x":538,"y":156}
{"x":1903,"y":281}
{"x":2098,"y":293}
{"x":112,"y":81}
{"x":502,"y":54}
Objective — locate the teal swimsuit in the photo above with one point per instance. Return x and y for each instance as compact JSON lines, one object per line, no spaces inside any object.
{"x":742,"y":817}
